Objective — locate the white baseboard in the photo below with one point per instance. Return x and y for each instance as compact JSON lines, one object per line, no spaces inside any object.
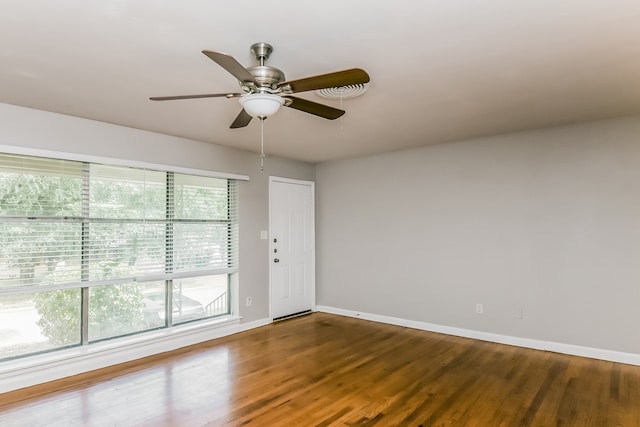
{"x":38,"y":369}
{"x":575,"y":350}
{"x":52,"y":366}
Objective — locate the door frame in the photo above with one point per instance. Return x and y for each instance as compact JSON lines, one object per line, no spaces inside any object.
{"x":312,"y":186}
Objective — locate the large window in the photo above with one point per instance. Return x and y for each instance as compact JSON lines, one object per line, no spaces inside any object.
{"x":90,"y":252}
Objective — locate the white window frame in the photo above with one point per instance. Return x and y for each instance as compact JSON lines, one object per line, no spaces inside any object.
{"x":40,"y":368}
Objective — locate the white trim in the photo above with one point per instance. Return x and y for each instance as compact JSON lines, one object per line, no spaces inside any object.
{"x":291,"y":181}
{"x":29,"y":371}
{"x":312,"y":185}
{"x":574,"y":350}
{"x":117,"y":162}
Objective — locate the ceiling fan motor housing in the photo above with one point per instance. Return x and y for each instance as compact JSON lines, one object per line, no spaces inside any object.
{"x":267,"y":78}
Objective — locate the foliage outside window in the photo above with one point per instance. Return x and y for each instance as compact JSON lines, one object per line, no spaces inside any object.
{"x":90,"y":252}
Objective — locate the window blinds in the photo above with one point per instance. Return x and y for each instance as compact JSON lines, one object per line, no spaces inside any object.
{"x":75,"y":224}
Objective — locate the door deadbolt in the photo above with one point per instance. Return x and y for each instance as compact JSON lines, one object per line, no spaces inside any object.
{"x":276,"y":260}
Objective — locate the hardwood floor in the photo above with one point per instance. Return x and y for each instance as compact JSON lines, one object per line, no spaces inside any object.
{"x":327,"y":370}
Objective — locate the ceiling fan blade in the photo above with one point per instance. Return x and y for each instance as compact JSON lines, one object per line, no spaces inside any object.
{"x":314,"y":108}
{"x":339,"y":78}
{"x":205,"y":95}
{"x":241,"y":120}
{"x":230,"y":64}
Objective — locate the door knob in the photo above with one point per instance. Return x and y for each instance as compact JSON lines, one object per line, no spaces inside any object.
{"x":276,"y":260}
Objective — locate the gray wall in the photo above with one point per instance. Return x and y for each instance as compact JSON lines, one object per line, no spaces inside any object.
{"x":47,"y":131}
{"x":546,"y":221}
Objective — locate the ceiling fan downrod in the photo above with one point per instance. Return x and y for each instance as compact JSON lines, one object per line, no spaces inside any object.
{"x":261,"y":51}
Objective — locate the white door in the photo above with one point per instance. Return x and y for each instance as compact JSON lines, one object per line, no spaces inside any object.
{"x":291,"y":246}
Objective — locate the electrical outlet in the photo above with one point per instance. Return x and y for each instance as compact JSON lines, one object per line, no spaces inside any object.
{"x":519,"y":313}
{"x":479,"y":309}
{"x":249,"y":301}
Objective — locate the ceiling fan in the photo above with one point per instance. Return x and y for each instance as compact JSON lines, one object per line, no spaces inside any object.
{"x":265,"y":89}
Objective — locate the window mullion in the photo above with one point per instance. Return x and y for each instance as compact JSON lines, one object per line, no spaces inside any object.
{"x":229,"y":225}
{"x":84,"y":260}
{"x":169,"y":254}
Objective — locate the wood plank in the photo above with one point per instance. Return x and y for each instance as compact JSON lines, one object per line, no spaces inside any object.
{"x":327,"y":370}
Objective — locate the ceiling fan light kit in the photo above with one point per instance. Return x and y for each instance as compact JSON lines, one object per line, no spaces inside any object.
{"x":261,"y":105}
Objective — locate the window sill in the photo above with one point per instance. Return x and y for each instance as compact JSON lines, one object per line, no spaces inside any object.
{"x":27,"y":371}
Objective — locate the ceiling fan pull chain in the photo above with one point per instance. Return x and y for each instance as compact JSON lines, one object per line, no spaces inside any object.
{"x":341,"y":92}
{"x":262,"y":144}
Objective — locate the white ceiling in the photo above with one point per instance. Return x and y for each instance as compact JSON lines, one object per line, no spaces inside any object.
{"x":440,"y":70}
